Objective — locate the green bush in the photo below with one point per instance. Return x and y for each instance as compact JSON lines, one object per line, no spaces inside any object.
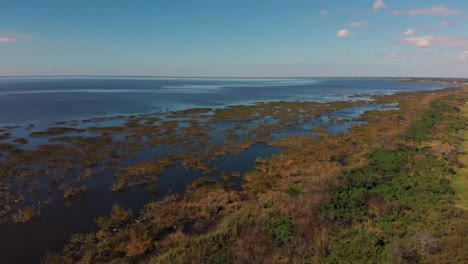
{"x":357,"y":247}
{"x":281,"y":228}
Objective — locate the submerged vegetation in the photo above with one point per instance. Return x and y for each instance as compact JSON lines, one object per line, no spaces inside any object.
{"x":382,"y":193}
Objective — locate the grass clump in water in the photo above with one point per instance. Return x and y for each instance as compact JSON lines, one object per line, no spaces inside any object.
{"x":26,"y":214}
{"x":53,"y":131}
{"x":69,"y":191}
{"x":119,"y":216}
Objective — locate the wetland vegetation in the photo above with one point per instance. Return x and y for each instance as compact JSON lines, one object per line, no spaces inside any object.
{"x":385,"y":185}
{"x":138,"y":150}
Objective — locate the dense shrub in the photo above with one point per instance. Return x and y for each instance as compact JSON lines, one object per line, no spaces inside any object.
{"x":281,"y":228}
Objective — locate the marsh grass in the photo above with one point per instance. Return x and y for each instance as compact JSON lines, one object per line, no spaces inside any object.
{"x":26,"y":214}
{"x":119,"y":216}
{"x":69,"y":191}
{"x":362,"y":199}
{"x":380,"y":193}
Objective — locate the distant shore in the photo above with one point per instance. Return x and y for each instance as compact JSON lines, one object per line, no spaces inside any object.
{"x":435,"y":80}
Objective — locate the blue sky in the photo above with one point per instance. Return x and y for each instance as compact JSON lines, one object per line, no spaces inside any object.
{"x":268,"y":38}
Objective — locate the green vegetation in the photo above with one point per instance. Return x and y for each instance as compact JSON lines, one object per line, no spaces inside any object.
{"x":281,"y":228}
{"x":400,"y":193}
{"x":460,"y":180}
{"x":421,"y":128}
{"x":400,"y":206}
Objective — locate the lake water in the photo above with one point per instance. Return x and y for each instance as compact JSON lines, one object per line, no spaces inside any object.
{"x":37,"y":100}
{"x":44,"y":101}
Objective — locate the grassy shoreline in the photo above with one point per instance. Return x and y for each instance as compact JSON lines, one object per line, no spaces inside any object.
{"x":460,"y":180}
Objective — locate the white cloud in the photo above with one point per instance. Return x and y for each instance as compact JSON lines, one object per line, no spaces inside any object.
{"x":419,"y":41}
{"x":379,"y":4}
{"x":356,"y":24}
{"x":323,"y":12}
{"x":395,"y":56}
{"x":409,"y":32}
{"x":436,"y":41}
{"x":464,"y":56}
{"x":435,"y":10}
{"x":344,"y":33}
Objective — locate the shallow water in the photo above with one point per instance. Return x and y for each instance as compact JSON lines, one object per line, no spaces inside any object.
{"x":44,"y":101}
{"x":28,"y":242}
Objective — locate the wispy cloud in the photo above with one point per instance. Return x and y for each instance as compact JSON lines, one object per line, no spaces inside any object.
{"x":7,"y":40}
{"x":395,"y":56}
{"x":436,"y":41}
{"x":356,"y":24}
{"x":446,"y":24}
{"x":434,"y":10}
{"x":324,"y":12}
{"x":463,"y":56}
{"x":378,"y":5}
{"x":4,"y":38}
{"x":344,"y":33}
{"x":409,"y":32}
{"x":343,"y":53}
{"x":419,"y":41}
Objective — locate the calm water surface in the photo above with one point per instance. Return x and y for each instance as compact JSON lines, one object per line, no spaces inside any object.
{"x":30,"y":100}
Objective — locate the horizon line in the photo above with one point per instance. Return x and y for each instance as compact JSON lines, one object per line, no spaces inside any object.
{"x":220,"y":77}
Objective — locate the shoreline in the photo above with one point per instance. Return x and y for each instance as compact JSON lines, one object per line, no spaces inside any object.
{"x":451,"y":81}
